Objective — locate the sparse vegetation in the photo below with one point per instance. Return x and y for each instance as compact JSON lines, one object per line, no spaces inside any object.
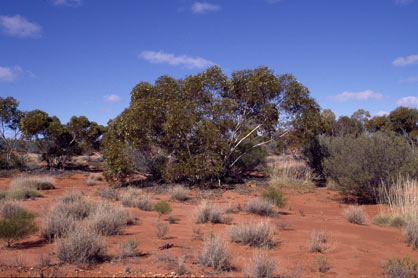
{"x":73,"y":205}
{"x":179,"y":193}
{"x":57,"y":224}
{"x":207,"y":212}
{"x":21,"y":189}
{"x":318,"y":242}
{"x":128,"y":248}
{"x":135,"y":198}
{"x":411,"y":234}
{"x":10,"y":208}
{"x":254,"y":234}
{"x":261,"y":266}
{"x":108,"y":193}
{"x":215,"y":254}
{"x":355,"y":215}
{"x":389,"y":220}
{"x":162,"y":207}
{"x":161,"y":229}
{"x":80,"y":247}
{"x":322,"y":263}
{"x":17,"y":226}
{"x":107,"y":220}
{"x":260,"y":207}
{"x":34,"y":182}
{"x":275,"y":197}
{"x":400,"y":268}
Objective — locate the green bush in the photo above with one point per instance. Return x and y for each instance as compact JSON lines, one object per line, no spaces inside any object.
{"x":19,"y":225}
{"x":162,"y":207}
{"x":275,"y":197}
{"x":359,"y":164}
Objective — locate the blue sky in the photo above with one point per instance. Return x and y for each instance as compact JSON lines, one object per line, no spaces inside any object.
{"x":83,"y":57}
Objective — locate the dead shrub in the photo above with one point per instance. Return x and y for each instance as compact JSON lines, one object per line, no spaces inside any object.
{"x":80,"y":247}
{"x":261,"y":266}
{"x":318,"y":242}
{"x":108,"y":220}
{"x":215,"y":254}
{"x":411,"y":234}
{"x":208,"y":213}
{"x":260,"y":207}
{"x":179,"y":193}
{"x":355,"y":214}
{"x":135,"y":198}
{"x":254,"y":234}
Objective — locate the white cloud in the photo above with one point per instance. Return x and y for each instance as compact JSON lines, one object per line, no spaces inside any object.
{"x":204,"y":7}
{"x":9,"y":74}
{"x":112,"y":98}
{"x":69,"y":3}
{"x":381,"y":113}
{"x":408,"y":101}
{"x":171,"y":59}
{"x":365,"y":95}
{"x":18,"y":26}
{"x":403,"y":2}
{"x":412,"y":79}
{"x":404,"y":61}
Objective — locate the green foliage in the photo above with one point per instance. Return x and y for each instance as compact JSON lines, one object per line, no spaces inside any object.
{"x":206,"y":126}
{"x":162,"y":207}
{"x":275,"y":197}
{"x":17,"y":226}
{"x":359,"y":164}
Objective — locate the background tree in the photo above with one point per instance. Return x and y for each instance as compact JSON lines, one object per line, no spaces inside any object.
{"x":85,"y":133}
{"x":10,"y":116}
{"x":201,"y":127}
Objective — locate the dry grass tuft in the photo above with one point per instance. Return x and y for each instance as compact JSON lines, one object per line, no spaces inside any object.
{"x":179,"y":193}
{"x":108,"y":193}
{"x":208,"y":213}
{"x":411,"y":234}
{"x":215,"y":254}
{"x":10,"y":208}
{"x":318,"y":242}
{"x":135,"y":198}
{"x":93,"y":179}
{"x":290,"y":175}
{"x":257,"y":235}
{"x":355,"y":214}
{"x":261,"y":266}
{"x":260,"y":207}
{"x":108,"y":220}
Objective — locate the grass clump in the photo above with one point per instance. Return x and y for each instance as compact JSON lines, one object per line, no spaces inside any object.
{"x":128,"y":248}
{"x":37,"y":182}
{"x":179,"y":193}
{"x":322,"y":263}
{"x":215,"y":254}
{"x":22,"y":189}
{"x":74,"y":205}
{"x":260,"y":207}
{"x":389,"y":220}
{"x":355,"y":215}
{"x":411,"y":234}
{"x":208,"y":213}
{"x":10,"y":208}
{"x":108,"y":220}
{"x":161,"y":229}
{"x":80,"y":247}
{"x":93,"y":179}
{"x":17,"y":226}
{"x":275,"y":197}
{"x":288,"y":175}
{"x":400,"y":268}
{"x":135,"y":198}
{"x":318,"y":242}
{"x":261,"y":266}
{"x":108,"y":193}
{"x":57,"y":225}
{"x":256,"y":235}
{"x":162,"y":207}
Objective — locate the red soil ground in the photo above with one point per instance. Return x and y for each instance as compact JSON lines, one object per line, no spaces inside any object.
{"x":353,"y":250}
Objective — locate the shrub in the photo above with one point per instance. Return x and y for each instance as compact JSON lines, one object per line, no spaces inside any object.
{"x":355,"y":214}
{"x":207,"y":212}
{"x":74,"y":206}
{"x":411,"y":234}
{"x":58,"y":224}
{"x":179,"y":193}
{"x":108,"y":193}
{"x":80,"y":247}
{"x":275,"y":197}
{"x":162,"y":207}
{"x":318,"y":241}
{"x":215,"y":254}
{"x":359,"y":164}
{"x":389,"y":220}
{"x":256,"y":235}
{"x":260,"y":207}
{"x":287,"y":175}
{"x":261,"y":266}
{"x":400,"y":268}
{"x":10,"y":208}
{"x":161,"y":229}
{"x":128,"y":247}
{"x":20,"y":189}
{"x":107,"y":220}
{"x":17,"y":226}
{"x":38,"y":183}
{"x":135,"y":198}
{"x":322,"y":263}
